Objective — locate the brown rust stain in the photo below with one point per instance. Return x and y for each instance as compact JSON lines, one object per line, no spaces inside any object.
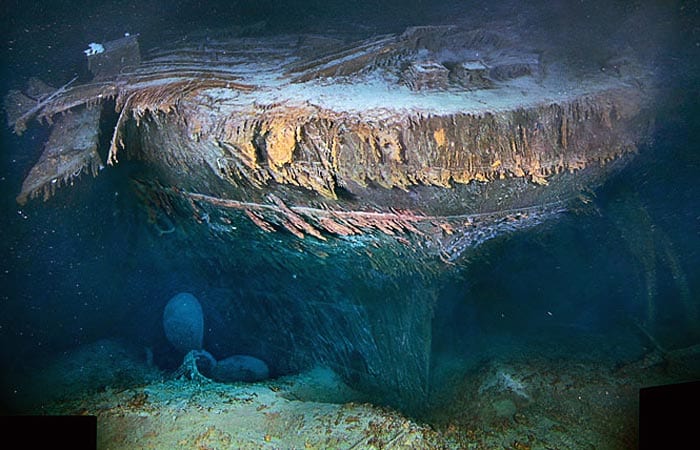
{"x":439,"y":136}
{"x":280,"y":142}
{"x":313,"y":148}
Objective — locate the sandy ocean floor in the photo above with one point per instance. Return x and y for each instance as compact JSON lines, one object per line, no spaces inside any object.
{"x":185,"y":414}
{"x":515,"y":403}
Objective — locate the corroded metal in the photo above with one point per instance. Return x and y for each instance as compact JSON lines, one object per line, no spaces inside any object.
{"x":369,"y":127}
{"x":401,"y":152}
{"x":70,"y":150}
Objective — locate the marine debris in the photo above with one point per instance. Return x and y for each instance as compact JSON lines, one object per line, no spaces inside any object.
{"x":501,"y":380}
{"x":183,"y":323}
{"x":652,"y":251}
{"x":436,"y":124}
{"x":682,"y":360}
{"x":299,"y":153}
{"x":189,"y":369}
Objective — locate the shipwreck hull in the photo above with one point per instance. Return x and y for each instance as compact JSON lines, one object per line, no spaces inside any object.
{"x":451,"y":181}
{"x":302,"y":155}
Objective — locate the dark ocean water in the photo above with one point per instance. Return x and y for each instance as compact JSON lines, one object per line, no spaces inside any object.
{"x":83,"y":266}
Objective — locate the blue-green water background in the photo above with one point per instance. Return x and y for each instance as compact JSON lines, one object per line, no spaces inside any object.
{"x":75,"y":269}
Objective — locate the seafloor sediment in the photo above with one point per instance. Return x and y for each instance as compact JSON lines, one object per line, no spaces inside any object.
{"x":520,"y":400}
